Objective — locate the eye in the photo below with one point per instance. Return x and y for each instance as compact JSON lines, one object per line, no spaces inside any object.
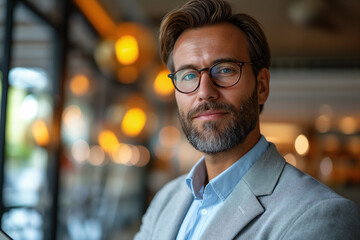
{"x":186,"y":75}
{"x":225,"y":70}
{"x":190,"y":76}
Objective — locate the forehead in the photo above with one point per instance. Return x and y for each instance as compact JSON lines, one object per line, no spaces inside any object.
{"x":205,"y":45}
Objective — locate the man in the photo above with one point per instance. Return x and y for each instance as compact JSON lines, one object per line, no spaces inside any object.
{"x":242,"y":188}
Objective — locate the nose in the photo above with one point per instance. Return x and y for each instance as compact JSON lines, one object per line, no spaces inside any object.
{"x":207,"y":90}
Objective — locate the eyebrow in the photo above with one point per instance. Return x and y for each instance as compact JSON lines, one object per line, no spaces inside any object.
{"x":212,"y":63}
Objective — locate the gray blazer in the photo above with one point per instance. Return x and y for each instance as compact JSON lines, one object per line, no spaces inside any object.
{"x":274,"y":200}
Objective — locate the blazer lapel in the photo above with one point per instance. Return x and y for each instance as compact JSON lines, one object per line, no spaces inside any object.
{"x":173,"y":214}
{"x":242,"y":205}
{"x":238,"y":210}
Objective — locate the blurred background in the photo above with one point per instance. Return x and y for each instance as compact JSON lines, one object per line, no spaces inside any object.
{"x":89,"y":128}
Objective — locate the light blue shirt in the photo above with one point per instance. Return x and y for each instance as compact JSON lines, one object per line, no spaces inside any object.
{"x":208,"y":199}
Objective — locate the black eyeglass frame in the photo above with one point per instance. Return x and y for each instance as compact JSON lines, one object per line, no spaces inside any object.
{"x":208,"y":69}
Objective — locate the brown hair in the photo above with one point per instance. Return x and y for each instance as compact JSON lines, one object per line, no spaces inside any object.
{"x":198,"y":13}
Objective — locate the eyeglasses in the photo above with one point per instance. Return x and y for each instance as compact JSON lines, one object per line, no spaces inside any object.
{"x":223,"y":74}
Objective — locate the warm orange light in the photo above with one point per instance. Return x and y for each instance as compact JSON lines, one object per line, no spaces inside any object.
{"x":280,"y":133}
{"x":162,"y":84}
{"x":301,"y":145}
{"x":79,"y":84}
{"x":142,"y":40}
{"x":133,"y":122}
{"x":40,"y":133}
{"x":98,"y":17}
{"x":354,"y":145}
{"x":127,"y":50}
{"x":107,"y":140}
{"x":348,"y":125}
{"x":127,"y":74}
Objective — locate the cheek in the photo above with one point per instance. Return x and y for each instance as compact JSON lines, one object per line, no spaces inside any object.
{"x":182,"y":102}
{"x":233,"y":97}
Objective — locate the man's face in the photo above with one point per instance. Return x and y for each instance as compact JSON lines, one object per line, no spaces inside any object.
{"x":216,"y":119}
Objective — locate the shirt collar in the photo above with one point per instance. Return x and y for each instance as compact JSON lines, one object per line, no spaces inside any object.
{"x":196,"y":178}
{"x":224,"y":183}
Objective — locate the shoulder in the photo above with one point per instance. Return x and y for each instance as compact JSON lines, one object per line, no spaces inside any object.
{"x":297,"y":182}
{"x":299,"y":190}
{"x":328,"y":218}
{"x":310,"y":208}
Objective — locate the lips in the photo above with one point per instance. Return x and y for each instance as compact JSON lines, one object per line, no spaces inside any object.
{"x":210,"y":110}
{"x":210,"y":114}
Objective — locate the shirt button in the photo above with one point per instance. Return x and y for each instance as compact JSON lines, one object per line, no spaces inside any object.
{"x":204,"y":212}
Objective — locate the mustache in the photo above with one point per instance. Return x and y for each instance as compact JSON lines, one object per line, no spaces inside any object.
{"x":206,"y":106}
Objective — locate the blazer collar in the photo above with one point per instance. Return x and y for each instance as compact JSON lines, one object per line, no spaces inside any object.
{"x":263,"y":176}
{"x":242,"y":205}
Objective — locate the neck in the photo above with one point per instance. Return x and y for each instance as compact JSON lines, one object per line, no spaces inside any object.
{"x":217,"y":163}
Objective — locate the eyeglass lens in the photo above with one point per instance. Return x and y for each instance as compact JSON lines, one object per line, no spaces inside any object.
{"x":224,"y":74}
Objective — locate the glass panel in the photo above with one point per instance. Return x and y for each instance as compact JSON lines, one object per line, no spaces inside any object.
{"x":2,"y":27}
{"x":2,"y":33}
{"x":26,"y":195}
{"x":48,"y":7}
{"x":102,"y":193}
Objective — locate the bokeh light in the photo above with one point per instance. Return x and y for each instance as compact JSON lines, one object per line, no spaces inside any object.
{"x":97,"y":155}
{"x":326,"y":166}
{"x":348,"y":125}
{"x":122,"y":154}
{"x":80,"y":151}
{"x":162,"y":84}
{"x":79,"y":84}
{"x":302,"y":145}
{"x":133,"y":122}
{"x":144,"y":156}
{"x":71,"y":115}
{"x":40,"y":132}
{"x":108,"y":140}
{"x":29,"y":107}
{"x":323,"y":123}
{"x":135,"y":157}
{"x":138,"y":41}
{"x":127,"y":50}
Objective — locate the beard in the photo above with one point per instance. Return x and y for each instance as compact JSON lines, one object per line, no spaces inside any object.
{"x":213,"y":138}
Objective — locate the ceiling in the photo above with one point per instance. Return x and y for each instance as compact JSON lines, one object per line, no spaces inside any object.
{"x":315,"y":47}
{"x":330,"y":28}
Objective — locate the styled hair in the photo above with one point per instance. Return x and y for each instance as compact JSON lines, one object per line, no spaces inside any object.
{"x":198,"y":13}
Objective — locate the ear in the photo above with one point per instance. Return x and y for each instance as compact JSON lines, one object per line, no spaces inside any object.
{"x":263,"y":79}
